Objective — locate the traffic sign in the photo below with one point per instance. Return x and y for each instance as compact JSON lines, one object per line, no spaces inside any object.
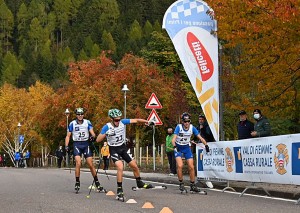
{"x":153,"y":102}
{"x":154,"y":117}
{"x":21,"y":138}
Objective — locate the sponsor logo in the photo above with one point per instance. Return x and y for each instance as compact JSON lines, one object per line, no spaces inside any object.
{"x":281,"y":159}
{"x":204,"y":62}
{"x":229,"y":160}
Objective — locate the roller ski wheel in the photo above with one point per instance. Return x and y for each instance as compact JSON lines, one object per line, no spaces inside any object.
{"x":195,"y":190}
{"x":120,"y":194}
{"x":77,"y":187}
{"x":134,"y":188}
{"x":120,"y":198}
{"x":100,"y":188}
{"x":182,"y":189}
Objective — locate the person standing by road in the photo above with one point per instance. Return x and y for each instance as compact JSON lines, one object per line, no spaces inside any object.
{"x":60,"y":155}
{"x":262,"y":126}
{"x":114,"y":132}
{"x":82,"y":133}
{"x":17,"y":159}
{"x":27,"y":157}
{"x":204,"y":129}
{"x":170,"y":152}
{"x":105,"y":155}
{"x":244,"y":126}
{"x":181,"y":140}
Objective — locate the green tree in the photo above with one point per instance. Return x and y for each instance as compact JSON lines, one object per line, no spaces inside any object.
{"x":7,"y":24}
{"x":82,"y":56}
{"x":62,"y":9}
{"x":108,"y":42}
{"x":95,"y":51}
{"x":11,"y":69}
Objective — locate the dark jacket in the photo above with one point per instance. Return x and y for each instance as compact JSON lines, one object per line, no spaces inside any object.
{"x":206,"y":133}
{"x":244,"y":129}
{"x":262,"y":127}
{"x":59,"y":153}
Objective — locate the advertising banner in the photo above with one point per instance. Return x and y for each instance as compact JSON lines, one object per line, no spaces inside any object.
{"x":273,"y":159}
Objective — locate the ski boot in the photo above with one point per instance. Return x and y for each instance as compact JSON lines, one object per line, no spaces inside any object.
{"x":195,"y":189}
{"x":77,"y":187}
{"x":120,"y":194}
{"x":99,"y":187}
{"x":141,"y":184}
{"x":182,"y":188}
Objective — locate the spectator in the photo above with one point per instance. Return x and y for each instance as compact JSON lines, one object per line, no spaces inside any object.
{"x":27,"y":156}
{"x":204,"y":129}
{"x":4,"y":160}
{"x":1,"y":160}
{"x":244,"y":126}
{"x":17,"y":159}
{"x":105,"y":155}
{"x":262,"y":127}
{"x":170,"y":152}
{"x":60,"y":155}
{"x":205,"y":132}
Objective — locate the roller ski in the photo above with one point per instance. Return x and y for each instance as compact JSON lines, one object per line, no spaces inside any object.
{"x":149,"y":186}
{"x":195,"y":190}
{"x":77,"y":187}
{"x":182,"y":188}
{"x":141,"y":185}
{"x":120,"y":194}
{"x":99,"y":188}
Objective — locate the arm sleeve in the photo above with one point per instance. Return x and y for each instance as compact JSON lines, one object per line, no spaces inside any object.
{"x":90,"y":126}
{"x":195,"y":131}
{"x":176,"y":131}
{"x":125,"y":121}
{"x":104,"y":129}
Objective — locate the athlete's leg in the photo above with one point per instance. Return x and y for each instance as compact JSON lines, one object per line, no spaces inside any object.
{"x":78,"y":165}
{"x":179,"y":163}
{"x":89,"y":161}
{"x":119,"y":165}
{"x":190,"y":163}
{"x":135,"y":168}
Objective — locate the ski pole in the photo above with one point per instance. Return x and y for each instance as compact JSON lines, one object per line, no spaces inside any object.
{"x":99,"y":159}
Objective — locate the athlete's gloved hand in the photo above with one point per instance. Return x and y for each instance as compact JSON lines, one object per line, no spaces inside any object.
{"x":175,"y":148}
{"x":92,"y":139}
{"x":67,"y":149}
{"x":110,"y":132}
{"x":207,"y":148}
{"x":151,"y":123}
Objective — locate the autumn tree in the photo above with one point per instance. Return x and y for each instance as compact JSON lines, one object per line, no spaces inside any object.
{"x":28,"y":109}
{"x":261,"y":47}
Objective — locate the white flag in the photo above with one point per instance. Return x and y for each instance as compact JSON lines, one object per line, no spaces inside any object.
{"x":192,"y":29}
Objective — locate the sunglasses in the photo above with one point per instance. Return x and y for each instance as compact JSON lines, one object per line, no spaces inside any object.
{"x":187,"y":121}
{"x":117,"y":120}
{"x":79,"y":114}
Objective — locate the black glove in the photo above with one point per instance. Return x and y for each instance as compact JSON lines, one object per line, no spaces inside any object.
{"x":207,"y":148}
{"x":67,"y":149}
{"x":151,"y":123}
{"x":175,"y":148}
{"x":92,"y":139}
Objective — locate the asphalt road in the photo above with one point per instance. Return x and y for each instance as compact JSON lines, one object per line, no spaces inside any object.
{"x":52,"y":190}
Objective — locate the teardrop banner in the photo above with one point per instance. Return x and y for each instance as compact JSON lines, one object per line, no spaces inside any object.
{"x":193,"y":30}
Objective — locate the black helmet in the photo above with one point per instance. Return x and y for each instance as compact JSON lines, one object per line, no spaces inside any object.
{"x":186,"y":116}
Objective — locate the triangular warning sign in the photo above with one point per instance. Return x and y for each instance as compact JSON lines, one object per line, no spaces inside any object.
{"x":154,"y":117}
{"x":153,"y":102}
